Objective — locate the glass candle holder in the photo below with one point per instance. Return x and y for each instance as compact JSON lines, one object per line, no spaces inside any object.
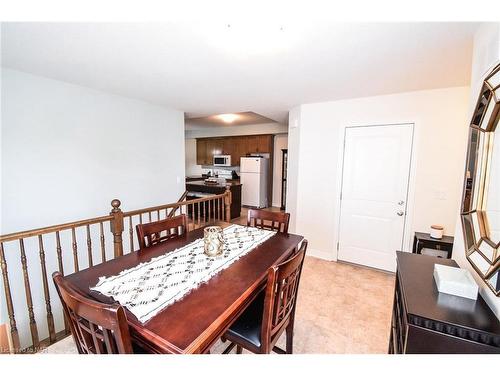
{"x":213,"y":238}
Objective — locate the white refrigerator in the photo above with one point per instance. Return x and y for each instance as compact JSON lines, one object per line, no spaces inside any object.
{"x":253,"y":177}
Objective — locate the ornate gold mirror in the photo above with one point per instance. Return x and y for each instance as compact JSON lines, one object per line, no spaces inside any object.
{"x":481,"y":198}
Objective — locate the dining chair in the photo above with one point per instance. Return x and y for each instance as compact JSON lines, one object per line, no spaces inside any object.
{"x":271,"y":312}
{"x":273,"y":220}
{"x":151,"y":233}
{"x":97,"y":328}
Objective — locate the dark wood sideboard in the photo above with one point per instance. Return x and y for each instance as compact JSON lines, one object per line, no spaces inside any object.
{"x":426,"y":321}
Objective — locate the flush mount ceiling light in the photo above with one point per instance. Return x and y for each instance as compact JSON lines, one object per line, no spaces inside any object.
{"x":228,"y":118}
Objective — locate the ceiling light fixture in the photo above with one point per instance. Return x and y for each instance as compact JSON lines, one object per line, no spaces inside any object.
{"x":228,"y":118}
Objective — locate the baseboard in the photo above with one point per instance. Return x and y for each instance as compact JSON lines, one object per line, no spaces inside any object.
{"x":321,"y":254}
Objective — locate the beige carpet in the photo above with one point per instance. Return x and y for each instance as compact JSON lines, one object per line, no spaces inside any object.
{"x":341,"y":309}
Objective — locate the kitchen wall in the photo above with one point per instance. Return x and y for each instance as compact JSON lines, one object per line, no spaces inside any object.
{"x":280,"y":142}
{"x":66,"y":152}
{"x":486,"y":54}
{"x":315,"y":146}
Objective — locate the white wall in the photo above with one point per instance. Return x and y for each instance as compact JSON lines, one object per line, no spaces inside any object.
{"x":315,"y":147}
{"x":294,"y":156}
{"x":192,"y":169}
{"x":486,"y":54}
{"x":67,"y":151}
{"x":280,"y":142}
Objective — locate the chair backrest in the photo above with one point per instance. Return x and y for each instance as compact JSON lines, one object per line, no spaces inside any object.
{"x":162,"y":230}
{"x":274,"y":220}
{"x":281,"y":297}
{"x":97,"y":328}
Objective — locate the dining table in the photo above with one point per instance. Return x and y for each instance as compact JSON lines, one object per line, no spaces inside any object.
{"x":194,"y":323}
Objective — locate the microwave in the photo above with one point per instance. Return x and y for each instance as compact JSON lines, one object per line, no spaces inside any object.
{"x":222,"y":160}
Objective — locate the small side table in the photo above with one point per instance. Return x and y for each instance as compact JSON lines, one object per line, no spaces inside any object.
{"x":424,"y":240}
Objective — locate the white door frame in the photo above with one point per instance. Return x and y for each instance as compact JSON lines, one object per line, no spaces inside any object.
{"x":407,"y":232}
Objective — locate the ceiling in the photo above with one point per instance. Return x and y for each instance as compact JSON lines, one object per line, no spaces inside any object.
{"x":235,"y":119}
{"x":268,"y":66}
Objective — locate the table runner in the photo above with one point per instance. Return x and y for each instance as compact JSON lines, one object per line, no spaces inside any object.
{"x":150,"y":287}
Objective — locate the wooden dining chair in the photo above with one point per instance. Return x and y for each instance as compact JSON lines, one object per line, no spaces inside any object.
{"x":97,"y":328}
{"x":273,"y":220}
{"x":151,"y":233}
{"x":272,"y":312}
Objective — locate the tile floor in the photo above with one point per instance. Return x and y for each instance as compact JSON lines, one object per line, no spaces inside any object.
{"x":341,"y":308}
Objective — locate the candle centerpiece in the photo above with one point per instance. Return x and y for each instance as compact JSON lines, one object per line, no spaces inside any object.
{"x":213,"y":238}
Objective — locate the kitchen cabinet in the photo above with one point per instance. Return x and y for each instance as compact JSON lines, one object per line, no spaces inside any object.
{"x":236,"y":146}
{"x":201,"y":152}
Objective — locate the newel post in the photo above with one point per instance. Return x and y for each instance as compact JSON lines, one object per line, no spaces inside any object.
{"x":117,"y":227}
{"x":227,"y":203}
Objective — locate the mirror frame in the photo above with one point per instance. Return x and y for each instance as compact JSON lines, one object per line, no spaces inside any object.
{"x":475,"y":227}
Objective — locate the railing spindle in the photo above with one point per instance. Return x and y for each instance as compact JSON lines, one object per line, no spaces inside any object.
{"x":158,"y":214}
{"x":14,"y":334}
{"x":89,"y":247}
{"x":50,"y":317}
{"x":74,"y":245}
{"x":149,"y":213}
{"x":29,"y":300}
{"x":209,"y":211}
{"x":59,"y":253}
{"x":192,"y":215}
{"x":199,"y":213}
{"x":131,"y":233}
{"x":61,"y":270}
{"x":103,"y":243}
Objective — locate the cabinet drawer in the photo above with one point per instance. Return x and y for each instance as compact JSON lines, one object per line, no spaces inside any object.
{"x":419,"y":340}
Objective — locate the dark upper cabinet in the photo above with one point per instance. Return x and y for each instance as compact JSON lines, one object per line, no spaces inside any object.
{"x":201,"y":151}
{"x":237,"y":147}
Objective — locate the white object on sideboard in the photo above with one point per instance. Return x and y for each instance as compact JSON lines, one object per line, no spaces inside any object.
{"x":436,"y":231}
{"x":456,"y":281}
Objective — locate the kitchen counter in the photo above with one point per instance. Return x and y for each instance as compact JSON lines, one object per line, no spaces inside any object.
{"x":234,"y":186}
{"x":202,"y":183}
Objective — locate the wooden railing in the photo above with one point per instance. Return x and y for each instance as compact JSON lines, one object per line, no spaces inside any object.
{"x":58,"y":248}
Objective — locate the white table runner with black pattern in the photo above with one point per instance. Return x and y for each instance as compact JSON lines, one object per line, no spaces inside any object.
{"x":152,"y":286}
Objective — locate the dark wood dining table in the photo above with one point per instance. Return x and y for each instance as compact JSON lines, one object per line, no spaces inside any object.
{"x":195,"y":322}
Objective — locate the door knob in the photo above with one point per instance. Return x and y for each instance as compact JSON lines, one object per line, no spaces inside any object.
{"x":400,"y":213}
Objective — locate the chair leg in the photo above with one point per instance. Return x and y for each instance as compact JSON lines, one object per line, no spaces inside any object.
{"x":289,"y":339}
{"x":229,"y":348}
{"x":239,"y":349}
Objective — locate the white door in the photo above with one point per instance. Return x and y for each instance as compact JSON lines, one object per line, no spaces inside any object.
{"x":374,"y":194}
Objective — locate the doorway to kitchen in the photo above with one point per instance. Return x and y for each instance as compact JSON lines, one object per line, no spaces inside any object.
{"x":374,"y":194}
